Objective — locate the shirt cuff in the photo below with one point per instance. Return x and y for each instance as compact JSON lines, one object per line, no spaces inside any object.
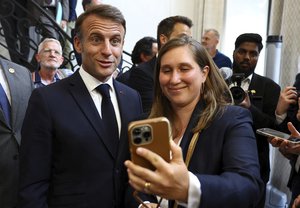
{"x":145,"y":202}
{"x":280,"y":118}
{"x":194,"y":195}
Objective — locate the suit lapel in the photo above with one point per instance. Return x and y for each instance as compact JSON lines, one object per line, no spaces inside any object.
{"x":256,"y":84}
{"x":11,"y":86}
{"x":86,"y":104}
{"x":16,"y":95}
{"x":188,"y":134}
{"x":122,"y":100}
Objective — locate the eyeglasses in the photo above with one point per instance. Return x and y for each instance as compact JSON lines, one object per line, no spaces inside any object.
{"x":49,"y":51}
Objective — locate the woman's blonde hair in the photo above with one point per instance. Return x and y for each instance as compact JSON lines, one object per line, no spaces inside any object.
{"x":214,"y":93}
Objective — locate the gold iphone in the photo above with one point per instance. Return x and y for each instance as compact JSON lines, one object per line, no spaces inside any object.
{"x":153,"y":134}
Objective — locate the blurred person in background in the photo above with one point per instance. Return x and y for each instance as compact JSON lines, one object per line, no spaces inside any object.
{"x":144,"y":50}
{"x":210,"y":40}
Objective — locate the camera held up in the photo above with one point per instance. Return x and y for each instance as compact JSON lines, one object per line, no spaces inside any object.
{"x":237,"y":92}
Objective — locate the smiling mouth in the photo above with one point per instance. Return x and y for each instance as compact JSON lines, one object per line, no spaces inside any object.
{"x":175,"y":90}
{"x":105,"y":63}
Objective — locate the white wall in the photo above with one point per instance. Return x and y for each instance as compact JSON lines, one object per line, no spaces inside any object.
{"x":143,"y":16}
{"x":245,"y":17}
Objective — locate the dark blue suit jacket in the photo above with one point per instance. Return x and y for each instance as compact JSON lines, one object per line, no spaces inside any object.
{"x":142,"y":80}
{"x":225,"y":159}
{"x":67,"y":160}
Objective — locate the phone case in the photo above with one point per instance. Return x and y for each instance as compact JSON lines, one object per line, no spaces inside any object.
{"x":153,"y":134}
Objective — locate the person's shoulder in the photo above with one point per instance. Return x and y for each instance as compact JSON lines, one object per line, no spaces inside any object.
{"x":265,"y":79}
{"x":234,"y":110}
{"x":221,"y":55}
{"x":11,"y":66}
{"x":147,"y":65}
{"x":231,"y":115}
{"x":298,"y":76}
{"x":222,"y":60}
{"x":121,"y":86}
{"x":63,"y":84}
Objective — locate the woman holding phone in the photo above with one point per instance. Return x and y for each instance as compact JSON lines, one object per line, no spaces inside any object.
{"x":214,"y":156}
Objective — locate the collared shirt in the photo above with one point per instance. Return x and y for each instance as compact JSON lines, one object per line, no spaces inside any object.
{"x":39,"y":82}
{"x":4,"y":84}
{"x":91,"y":83}
{"x":246,"y":82}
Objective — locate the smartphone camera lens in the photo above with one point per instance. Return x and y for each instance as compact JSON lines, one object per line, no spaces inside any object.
{"x":136,"y":131}
{"x":147,"y":135}
{"x":137,"y":140}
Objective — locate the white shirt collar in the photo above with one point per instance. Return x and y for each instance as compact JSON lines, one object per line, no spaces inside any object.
{"x":91,"y":82}
{"x":249,"y":77}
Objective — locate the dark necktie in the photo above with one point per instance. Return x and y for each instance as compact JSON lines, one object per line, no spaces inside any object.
{"x":109,"y":116}
{"x":4,"y":104}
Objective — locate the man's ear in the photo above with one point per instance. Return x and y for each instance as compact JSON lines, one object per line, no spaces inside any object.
{"x":163,"y":39}
{"x":37,"y":57}
{"x":77,"y":44}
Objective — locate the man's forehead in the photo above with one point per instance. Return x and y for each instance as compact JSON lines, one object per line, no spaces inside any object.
{"x":102,"y":22}
{"x":51,"y":43}
{"x":248,"y":46}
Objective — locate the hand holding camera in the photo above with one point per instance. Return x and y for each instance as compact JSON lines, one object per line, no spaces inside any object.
{"x":287,"y":97}
{"x":240,"y":96}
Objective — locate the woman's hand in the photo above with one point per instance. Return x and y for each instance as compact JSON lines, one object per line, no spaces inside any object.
{"x":169,"y":180}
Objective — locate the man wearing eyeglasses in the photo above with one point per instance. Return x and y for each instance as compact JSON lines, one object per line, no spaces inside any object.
{"x":50,"y":58}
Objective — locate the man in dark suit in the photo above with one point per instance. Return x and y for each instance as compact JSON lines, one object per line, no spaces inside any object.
{"x":142,"y":77}
{"x":144,"y":50}
{"x":69,"y":159}
{"x":265,"y":93}
{"x":15,"y":82}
